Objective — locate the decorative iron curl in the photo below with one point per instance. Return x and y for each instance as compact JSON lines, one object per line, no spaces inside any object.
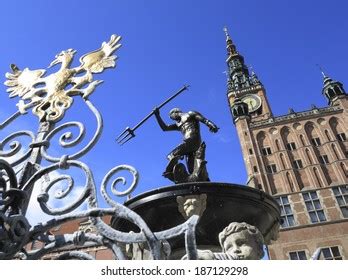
{"x":124,"y":212}
{"x":123,"y":180}
{"x":16,"y":147}
{"x":43,"y":197}
{"x":7,"y":170}
{"x":66,"y":139}
{"x":60,"y":194}
{"x":109,"y":236}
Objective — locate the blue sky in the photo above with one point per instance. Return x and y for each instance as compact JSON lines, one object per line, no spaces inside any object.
{"x":167,"y":44}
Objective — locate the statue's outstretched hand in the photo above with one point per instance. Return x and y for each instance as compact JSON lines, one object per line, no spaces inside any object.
{"x":213,"y":128}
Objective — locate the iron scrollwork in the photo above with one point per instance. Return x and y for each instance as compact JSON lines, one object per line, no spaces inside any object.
{"x":49,"y":104}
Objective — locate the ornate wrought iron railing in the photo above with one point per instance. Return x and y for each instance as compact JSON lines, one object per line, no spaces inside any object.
{"x":25,"y":170}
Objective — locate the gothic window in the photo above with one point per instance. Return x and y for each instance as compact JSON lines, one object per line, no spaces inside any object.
{"x":272,"y":168}
{"x":339,"y":130}
{"x":297,"y":255}
{"x":282,"y":161}
{"x":327,"y":135}
{"x":250,"y":151}
{"x":291,"y":146}
{"x":314,"y":208}
{"x":323,"y":159}
{"x":290,"y":182}
{"x":341,"y":137}
{"x":255,"y":169}
{"x":335,"y":151}
{"x":331,"y":92}
{"x":266,"y":151}
{"x":344,"y":169}
{"x":316,"y":141}
{"x":287,"y":216}
{"x":318,"y":177}
{"x":302,"y":140}
{"x":298,"y":164}
{"x":277,"y":144}
{"x":331,"y":253}
{"x":308,"y":153}
{"x":338,"y":90}
{"x":341,"y":194}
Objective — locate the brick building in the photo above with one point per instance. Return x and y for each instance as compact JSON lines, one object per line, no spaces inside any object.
{"x":81,"y":225}
{"x":299,"y":158}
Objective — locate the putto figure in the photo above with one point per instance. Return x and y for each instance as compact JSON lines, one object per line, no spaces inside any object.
{"x":50,"y":96}
{"x":242,"y":240}
{"x":192,"y":148}
{"x":239,"y":241}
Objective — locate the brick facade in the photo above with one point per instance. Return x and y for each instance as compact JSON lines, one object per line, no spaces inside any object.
{"x":299,"y":158}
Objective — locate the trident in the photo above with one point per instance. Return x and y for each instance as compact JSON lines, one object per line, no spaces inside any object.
{"x":128,"y":133}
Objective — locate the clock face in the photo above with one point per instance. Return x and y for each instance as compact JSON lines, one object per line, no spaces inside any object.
{"x":253,"y":101}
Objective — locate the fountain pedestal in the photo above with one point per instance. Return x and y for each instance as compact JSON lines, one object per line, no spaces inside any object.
{"x":217,"y":204}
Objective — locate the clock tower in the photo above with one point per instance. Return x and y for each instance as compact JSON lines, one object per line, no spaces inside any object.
{"x":244,"y":86}
{"x":300,"y":158}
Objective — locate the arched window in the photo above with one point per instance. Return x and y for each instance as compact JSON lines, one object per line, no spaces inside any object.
{"x":308,"y":153}
{"x":282,"y":160}
{"x":290,"y":182}
{"x":337,"y":90}
{"x":331,"y":93}
{"x":277,"y":144}
{"x":317,"y":177}
{"x":327,"y":135}
{"x":288,"y":138}
{"x":334,"y":149}
{"x":313,"y":134}
{"x":344,"y":169}
{"x":264,"y":143}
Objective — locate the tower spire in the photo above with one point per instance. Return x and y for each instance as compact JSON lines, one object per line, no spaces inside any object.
{"x":226,"y":33}
{"x":332,"y":89}
{"x":322,"y":71}
{"x":231,"y":48}
{"x":238,"y":74}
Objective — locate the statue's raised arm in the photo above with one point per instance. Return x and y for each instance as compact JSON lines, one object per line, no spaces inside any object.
{"x":162,"y":124}
{"x":212,"y":126}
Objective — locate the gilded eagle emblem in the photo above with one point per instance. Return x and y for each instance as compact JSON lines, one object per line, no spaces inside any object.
{"x":50,"y":96}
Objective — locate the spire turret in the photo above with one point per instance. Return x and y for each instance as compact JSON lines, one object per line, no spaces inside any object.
{"x":231,"y":48}
{"x":238,"y":73}
{"x":332,"y":89}
{"x":254,"y":79}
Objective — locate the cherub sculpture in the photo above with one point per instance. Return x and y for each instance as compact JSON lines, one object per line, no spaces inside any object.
{"x":239,"y":241}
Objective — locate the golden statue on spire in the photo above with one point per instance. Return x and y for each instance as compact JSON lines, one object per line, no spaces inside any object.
{"x":51,"y":95}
